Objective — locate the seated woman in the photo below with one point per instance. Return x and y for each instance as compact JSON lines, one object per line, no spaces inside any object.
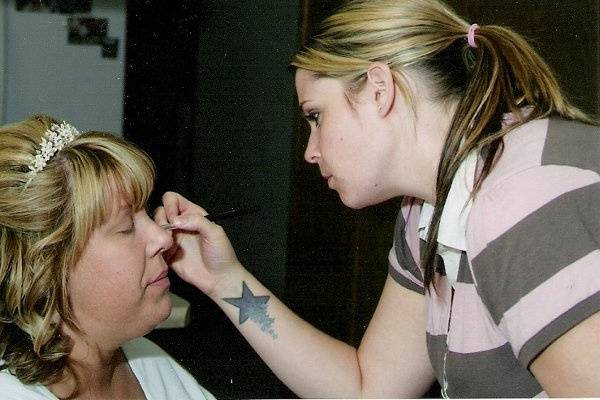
{"x":82,"y":275}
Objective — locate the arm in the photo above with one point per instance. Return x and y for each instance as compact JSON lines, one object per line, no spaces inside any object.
{"x":391,"y":361}
{"x":570,"y":366}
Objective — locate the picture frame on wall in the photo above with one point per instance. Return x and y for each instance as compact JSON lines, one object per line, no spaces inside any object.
{"x":54,"y":6}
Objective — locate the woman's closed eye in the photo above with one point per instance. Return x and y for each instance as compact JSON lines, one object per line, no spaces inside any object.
{"x":313,"y":117}
{"x":127,"y":227}
{"x":128,"y":230}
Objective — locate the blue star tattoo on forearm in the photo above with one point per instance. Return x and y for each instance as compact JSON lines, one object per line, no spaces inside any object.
{"x":254,"y":308}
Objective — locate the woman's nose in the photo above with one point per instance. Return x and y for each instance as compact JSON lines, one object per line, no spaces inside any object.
{"x":312,"y":154}
{"x":160,"y":240}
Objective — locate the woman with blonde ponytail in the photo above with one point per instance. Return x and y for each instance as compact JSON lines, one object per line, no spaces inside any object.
{"x":82,"y":274}
{"x":493,"y":285}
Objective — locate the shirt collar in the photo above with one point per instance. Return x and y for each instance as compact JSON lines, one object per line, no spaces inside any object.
{"x":453,"y":222}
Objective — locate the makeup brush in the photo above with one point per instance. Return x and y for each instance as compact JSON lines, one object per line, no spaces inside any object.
{"x":220,"y":216}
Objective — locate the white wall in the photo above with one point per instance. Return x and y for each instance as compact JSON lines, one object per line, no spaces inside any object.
{"x":43,"y":73}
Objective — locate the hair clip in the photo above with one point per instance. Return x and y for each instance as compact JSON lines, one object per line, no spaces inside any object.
{"x":55,"y":138}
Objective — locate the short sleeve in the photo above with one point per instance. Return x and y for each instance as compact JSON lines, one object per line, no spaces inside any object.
{"x":404,"y":256}
{"x":160,"y":376}
{"x":533,"y":247}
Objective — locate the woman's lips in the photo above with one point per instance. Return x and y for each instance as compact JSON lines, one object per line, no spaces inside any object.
{"x":162,"y":280}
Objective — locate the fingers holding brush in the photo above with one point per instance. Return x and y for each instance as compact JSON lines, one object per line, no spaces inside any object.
{"x":175,"y":204}
{"x":203,"y":255}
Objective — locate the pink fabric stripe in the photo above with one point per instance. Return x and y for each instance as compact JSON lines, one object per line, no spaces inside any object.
{"x":396,"y":265}
{"x":438,"y":307}
{"x":565,"y":289}
{"x":523,"y":148}
{"x":474,"y":329}
{"x":496,"y":211}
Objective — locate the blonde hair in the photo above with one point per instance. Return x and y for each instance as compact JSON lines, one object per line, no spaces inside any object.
{"x":503,"y":74}
{"x":44,"y":227}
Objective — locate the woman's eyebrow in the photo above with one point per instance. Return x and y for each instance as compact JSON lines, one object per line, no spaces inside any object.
{"x":122,"y":212}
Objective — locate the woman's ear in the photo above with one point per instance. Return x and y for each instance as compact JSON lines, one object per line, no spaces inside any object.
{"x":381,"y":85}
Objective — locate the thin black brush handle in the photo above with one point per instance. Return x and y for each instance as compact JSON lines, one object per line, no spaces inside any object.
{"x":230,"y":214}
{"x":220,"y":216}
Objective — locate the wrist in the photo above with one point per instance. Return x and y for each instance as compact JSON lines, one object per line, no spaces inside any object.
{"x":229,"y":282}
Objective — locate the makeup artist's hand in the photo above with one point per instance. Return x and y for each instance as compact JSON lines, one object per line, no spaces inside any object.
{"x":202,"y":254}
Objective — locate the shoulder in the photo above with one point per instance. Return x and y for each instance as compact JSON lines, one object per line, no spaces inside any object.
{"x":546,"y":164}
{"x":12,"y":389}
{"x":146,"y":356}
{"x":543,"y":143}
{"x":159,"y":373}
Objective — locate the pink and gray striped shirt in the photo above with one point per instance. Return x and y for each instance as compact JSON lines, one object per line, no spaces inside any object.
{"x":531,"y":270}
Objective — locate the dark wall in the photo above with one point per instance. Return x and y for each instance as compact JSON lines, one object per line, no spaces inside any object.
{"x":210,"y":98}
{"x":242,"y":145}
{"x":565,"y":33}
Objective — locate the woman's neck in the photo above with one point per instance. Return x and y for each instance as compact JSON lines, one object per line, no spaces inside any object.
{"x":431,"y":128}
{"x":97,"y":372}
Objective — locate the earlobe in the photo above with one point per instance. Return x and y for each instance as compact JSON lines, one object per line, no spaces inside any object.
{"x":381,"y":85}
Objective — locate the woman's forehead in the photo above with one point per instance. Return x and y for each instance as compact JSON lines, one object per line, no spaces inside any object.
{"x":311,"y":87}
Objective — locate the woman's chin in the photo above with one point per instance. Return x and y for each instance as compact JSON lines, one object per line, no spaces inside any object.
{"x":161,"y":312}
{"x":355,"y":201}
{"x":157,"y":319}
{"x":351,"y":201}
{"x":166,"y":309}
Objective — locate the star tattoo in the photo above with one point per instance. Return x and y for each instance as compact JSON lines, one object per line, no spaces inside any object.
{"x":254,"y":308}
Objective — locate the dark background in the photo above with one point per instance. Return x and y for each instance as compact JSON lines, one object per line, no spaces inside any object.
{"x":210,"y":97}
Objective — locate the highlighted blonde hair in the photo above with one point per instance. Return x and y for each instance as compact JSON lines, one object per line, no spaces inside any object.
{"x":503,"y":74}
{"x":44,"y":226}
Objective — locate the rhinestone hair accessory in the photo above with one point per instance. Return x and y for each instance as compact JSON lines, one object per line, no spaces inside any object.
{"x":55,"y":138}
{"x":471,"y":35}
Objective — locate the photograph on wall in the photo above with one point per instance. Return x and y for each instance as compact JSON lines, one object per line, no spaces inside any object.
{"x":54,"y":6}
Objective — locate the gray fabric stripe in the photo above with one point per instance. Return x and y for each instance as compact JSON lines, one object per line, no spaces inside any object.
{"x":537,"y":247}
{"x":491,"y":373}
{"x":572,"y":143}
{"x":464,"y":273}
{"x":405,"y":282}
{"x":403,"y":253}
{"x":534,"y":346}
{"x":436,"y":346}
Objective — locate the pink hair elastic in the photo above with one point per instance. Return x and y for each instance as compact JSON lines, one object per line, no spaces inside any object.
{"x":471,"y":35}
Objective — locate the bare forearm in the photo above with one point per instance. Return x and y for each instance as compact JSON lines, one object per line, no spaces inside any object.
{"x":309,"y":362}
{"x":392,"y":360}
